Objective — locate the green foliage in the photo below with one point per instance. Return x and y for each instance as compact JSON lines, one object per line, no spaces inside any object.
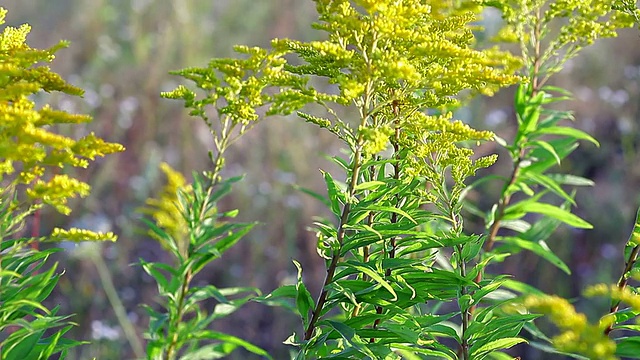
{"x":404,"y":277}
{"x":24,"y":285}
{"x":28,"y":152}
{"x":180,"y":329}
{"x":187,"y":221}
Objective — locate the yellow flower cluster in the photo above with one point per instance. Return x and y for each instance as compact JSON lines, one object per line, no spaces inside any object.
{"x":625,"y":295}
{"x":26,"y":139}
{"x":166,"y":211}
{"x":80,"y":235}
{"x":435,"y":143}
{"x":576,"y":24}
{"x":375,"y":139}
{"x":236,"y":88}
{"x":57,"y":191}
{"x":577,"y":335}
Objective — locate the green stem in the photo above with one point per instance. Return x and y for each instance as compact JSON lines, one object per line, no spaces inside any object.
{"x":622,"y":283}
{"x":172,"y":349}
{"x":465,"y":315}
{"x":218,"y":164}
{"x":344,"y":217}
{"x":505,"y":198}
{"x":118,"y":308}
{"x":336,"y":255}
{"x":394,"y":216}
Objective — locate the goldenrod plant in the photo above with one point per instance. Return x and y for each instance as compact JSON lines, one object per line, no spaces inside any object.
{"x":549,"y":33}
{"x":397,"y":253}
{"x":30,"y":154}
{"x":228,"y":96}
{"x":405,"y":278}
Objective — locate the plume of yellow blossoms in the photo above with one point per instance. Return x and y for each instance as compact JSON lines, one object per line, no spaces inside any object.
{"x":577,"y":335}
{"x":167,"y":211}
{"x":28,"y":147}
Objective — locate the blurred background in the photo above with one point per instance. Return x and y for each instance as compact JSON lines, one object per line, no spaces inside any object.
{"x":121,"y":52}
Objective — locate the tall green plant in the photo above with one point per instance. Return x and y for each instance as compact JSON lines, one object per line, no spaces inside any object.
{"x":30,"y":154}
{"x":187,"y":220}
{"x":549,"y":33}
{"x":403,"y":278}
{"x":396,"y":251}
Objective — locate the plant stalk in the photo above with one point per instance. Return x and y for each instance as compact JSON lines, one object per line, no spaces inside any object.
{"x":622,"y":283}
{"x":118,"y":308}
{"x":394,"y":216}
{"x":186,"y":280}
{"x":335,"y":257}
{"x":505,"y":199}
{"x":344,"y":217}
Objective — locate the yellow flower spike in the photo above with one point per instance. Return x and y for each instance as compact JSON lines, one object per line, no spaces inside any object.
{"x":57,"y":191}
{"x":578,"y":336}
{"x":165,"y":209}
{"x":26,"y":142}
{"x":79,"y":235}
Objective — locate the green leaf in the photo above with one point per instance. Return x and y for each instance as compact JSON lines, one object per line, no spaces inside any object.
{"x":373,"y":275}
{"x":630,"y":327}
{"x":230,"y":339}
{"x":628,"y":347}
{"x":313,"y":194}
{"x":561,"y":91}
{"x":539,"y":248}
{"x":567,"y":179}
{"x":488,"y":289}
{"x":500,"y":356}
{"x":369,"y":185}
{"x":350,"y":336}
{"x":281,"y":296}
{"x":547,"y":147}
{"x":208,"y":352}
{"x":336,"y":197}
{"x":499,"y":344}
{"x":153,"y":269}
{"x":205,"y":292}
{"x":228,"y":241}
{"x":634,"y":238}
{"x":24,"y":348}
{"x":548,"y":183}
{"x":549,"y":210}
{"x":304,"y":301}
{"x":551,"y":350}
{"x":390,"y":209}
{"x":562,"y":146}
{"x":568,"y":131}
{"x":522,"y":288}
